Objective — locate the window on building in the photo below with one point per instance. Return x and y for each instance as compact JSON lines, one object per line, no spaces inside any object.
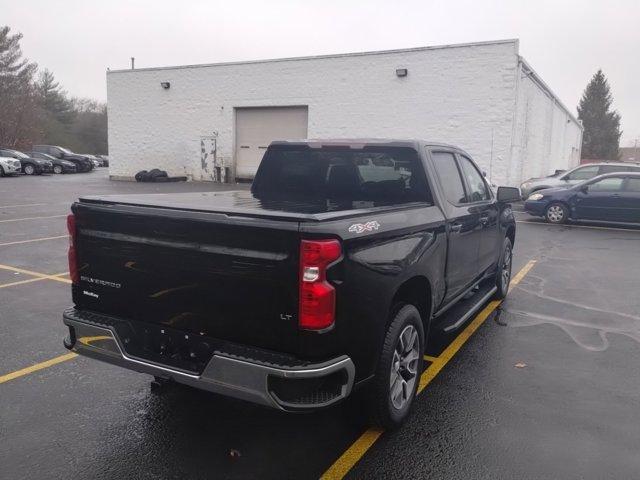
{"x":449,"y":175}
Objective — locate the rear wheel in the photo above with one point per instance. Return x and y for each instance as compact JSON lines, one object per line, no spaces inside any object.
{"x":1,"y":171}
{"x":29,"y":169}
{"x":556,"y":213}
{"x":503,"y":274}
{"x":57,"y":169}
{"x":399,"y":367}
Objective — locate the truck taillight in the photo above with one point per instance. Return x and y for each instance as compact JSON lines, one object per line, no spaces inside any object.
{"x":317,"y":296}
{"x":73,"y":258}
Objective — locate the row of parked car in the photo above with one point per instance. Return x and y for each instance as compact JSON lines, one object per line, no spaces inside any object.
{"x":607,"y":192}
{"x":48,"y":159}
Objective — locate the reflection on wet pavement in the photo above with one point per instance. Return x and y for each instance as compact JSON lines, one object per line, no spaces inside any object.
{"x":546,"y":298}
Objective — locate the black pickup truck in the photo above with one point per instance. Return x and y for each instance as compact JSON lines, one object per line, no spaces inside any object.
{"x":326,"y":277}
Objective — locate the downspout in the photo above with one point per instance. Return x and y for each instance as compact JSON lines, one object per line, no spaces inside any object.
{"x":514,"y":120}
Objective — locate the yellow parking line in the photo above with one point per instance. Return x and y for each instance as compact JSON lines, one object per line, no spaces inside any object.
{"x":429,"y":358}
{"x":37,"y":366}
{"x":33,"y":240}
{"x":55,"y":277}
{"x":356,"y":451}
{"x":31,"y":218}
{"x":53,"y":361}
{"x":352,"y":455}
{"x":31,"y":280}
{"x":520,"y":275}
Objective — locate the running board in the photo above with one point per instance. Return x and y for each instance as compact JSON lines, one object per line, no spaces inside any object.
{"x":466,"y":308}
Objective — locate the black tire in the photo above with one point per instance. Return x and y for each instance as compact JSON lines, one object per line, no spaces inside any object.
{"x":57,"y":169}
{"x":503,"y":272}
{"x":557,"y":213}
{"x":1,"y":171}
{"x":29,"y":169}
{"x":381,"y":409}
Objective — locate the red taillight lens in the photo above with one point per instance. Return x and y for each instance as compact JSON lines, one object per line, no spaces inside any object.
{"x":317,"y":296}
{"x":73,"y":259}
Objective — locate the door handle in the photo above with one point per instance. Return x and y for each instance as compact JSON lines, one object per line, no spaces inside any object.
{"x":615,"y":195}
{"x":455,"y":227}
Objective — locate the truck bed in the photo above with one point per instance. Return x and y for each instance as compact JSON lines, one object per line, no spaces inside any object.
{"x":244,"y":203}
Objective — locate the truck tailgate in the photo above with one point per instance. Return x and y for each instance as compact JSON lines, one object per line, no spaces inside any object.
{"x":220,"y":276}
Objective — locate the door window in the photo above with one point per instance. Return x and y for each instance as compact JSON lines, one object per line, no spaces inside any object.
{"x":478,"y":190}
{"x":583,"y":173}
{"x":611,"y":184}
{"x":633,"y":185}
{"x":612,"y":169}
{"x":445,"y":163}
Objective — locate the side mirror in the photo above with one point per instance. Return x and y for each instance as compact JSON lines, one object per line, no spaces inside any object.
{"x":584,"y":189}
{"x":508,"y":194}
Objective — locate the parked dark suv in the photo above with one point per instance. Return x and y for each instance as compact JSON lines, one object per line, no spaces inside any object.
{"x":29,"y":165}
{"x":83,"y":164}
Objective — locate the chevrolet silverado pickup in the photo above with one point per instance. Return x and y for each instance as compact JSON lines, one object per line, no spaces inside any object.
{"x":325,"y":278}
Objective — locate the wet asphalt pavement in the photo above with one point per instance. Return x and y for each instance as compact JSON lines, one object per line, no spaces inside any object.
{"x":571,"y":409}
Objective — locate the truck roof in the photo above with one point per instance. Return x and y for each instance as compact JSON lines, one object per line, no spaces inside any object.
{"x":362,"y":142}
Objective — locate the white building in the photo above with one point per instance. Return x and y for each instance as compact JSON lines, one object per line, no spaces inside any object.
{"x":482,"y":97}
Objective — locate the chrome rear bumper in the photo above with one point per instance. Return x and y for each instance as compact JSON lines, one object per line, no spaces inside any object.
{"x":239,"y":378}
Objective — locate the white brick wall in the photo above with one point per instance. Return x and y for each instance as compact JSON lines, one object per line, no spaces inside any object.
{"x":546,"y":137}
{"x":464,"y":95}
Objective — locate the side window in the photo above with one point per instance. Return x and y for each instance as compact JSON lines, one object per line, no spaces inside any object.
{"x":583,"y":173}
{"x":611,"y":184}
{"x":612,"y":168}
{"x":478,"y":190}
{"x":633,"y":185}
{"x":450,"y":179}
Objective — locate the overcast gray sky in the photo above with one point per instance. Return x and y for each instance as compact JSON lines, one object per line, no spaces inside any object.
{"x":565,"y":41}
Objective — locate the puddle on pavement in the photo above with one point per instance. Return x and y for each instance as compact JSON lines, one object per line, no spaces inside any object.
{"x":588,"y":326}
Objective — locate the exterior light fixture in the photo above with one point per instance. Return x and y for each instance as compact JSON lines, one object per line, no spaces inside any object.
{"x":165,"y":85}
{"x":401,"y":72}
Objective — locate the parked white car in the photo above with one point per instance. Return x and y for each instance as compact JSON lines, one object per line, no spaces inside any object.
{"x":9,"y":166}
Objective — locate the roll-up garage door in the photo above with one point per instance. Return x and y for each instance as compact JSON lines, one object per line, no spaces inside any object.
{"x":257,"y":127}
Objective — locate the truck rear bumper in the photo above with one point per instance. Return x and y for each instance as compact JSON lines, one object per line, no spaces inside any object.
{"x":291,"y":388}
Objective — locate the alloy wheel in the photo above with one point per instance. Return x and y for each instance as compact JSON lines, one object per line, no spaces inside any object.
{"x":506,"y":267}
{"x":555,"y":213}
{"x":404,"y":367}
{"x":29,"y":169}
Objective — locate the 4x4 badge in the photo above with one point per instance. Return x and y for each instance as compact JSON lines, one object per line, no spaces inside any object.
{"x":364,"y":227}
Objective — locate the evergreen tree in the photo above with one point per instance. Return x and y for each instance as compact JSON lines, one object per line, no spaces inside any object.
{"x":18,"y":101}
{"x":601,"y":137}
{"x":57,"y":110}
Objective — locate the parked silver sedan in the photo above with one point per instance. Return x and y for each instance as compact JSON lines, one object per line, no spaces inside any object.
{"x":575,"y":175}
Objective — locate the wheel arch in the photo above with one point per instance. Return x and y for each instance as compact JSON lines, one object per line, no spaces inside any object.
{"x":416,"y":291}
{"x":511,"y":234}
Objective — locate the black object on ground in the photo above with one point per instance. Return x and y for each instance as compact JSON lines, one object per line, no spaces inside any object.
{"x":157,"y":175}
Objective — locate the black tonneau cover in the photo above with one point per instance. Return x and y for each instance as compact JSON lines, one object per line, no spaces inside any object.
{"x":244,"y":203}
